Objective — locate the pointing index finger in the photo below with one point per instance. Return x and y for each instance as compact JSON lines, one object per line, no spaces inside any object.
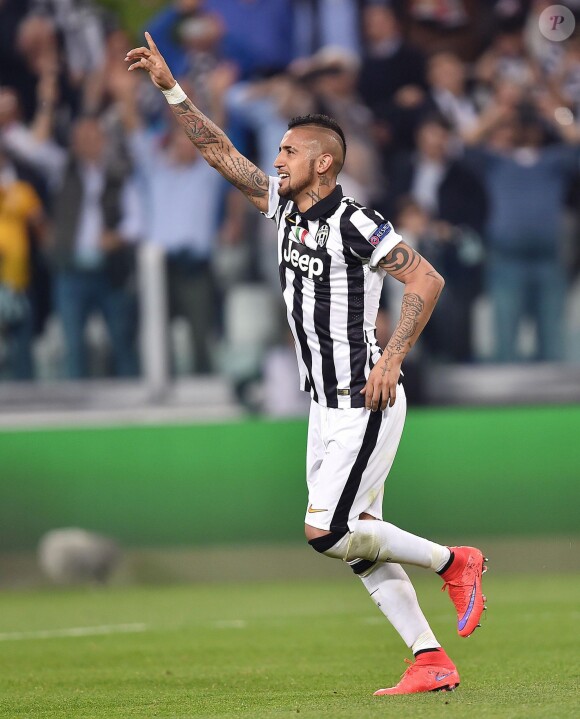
{"x":150,"y":41}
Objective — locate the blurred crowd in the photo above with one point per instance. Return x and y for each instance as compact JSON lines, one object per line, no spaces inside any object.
{"x":462,"y":124}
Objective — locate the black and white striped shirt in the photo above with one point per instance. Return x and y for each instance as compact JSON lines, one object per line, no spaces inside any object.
{"x":328,"y":260}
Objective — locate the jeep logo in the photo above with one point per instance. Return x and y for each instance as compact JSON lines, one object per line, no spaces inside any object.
{"x":309,"y":265}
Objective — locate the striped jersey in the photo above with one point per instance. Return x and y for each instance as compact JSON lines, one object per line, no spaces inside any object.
{"x":328,"y":261}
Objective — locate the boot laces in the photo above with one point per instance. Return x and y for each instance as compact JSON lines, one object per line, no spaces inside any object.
{"x":410,"y":669}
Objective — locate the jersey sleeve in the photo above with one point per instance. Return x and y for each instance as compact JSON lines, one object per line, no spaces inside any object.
{"x":275,"y":202}
{"x":369,"y":236}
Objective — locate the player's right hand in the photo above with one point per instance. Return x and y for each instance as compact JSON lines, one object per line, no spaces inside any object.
{"x":152,"y":60}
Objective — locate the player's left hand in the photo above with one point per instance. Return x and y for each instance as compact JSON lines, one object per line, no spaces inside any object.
{"x":381,"y":386}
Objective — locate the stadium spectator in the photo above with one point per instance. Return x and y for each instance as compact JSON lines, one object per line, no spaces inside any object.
{"x":320,"y":23}
{"x":459,"y":251}
{"x":527,"y":184}
{"x":437,"y":180}
{"x":193,"y":35}
{"x":453,"y":203}
{"x":549,"y":55}
{"x":448,"y":91}
{"x":456,"y":26}
{"x":257,"y":34}
{"x":172,"y":174}
{"x":13,"y":71}
{"x":33,"y":144}
{"x":94,"y":215}
{"x":201,"y":38}
{"x":178,"y":20}
{"x":564,"y":78}
{"x":508,"y":58}
{"x":21,"y":214}
{"x":80,"y":29}
{"x":392,"y":80}
{"x":38,"y":44}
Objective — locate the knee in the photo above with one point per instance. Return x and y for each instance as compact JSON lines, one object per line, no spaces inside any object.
{"x":315,"y":533}
{"x":333,"y":543}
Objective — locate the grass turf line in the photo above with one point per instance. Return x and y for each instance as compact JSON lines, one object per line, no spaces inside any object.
{"x":313,"y":650}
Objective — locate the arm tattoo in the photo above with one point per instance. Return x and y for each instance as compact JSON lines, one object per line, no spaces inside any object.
{"x":219,"y":152}
{"x":401,"y":261}
{"x":404,"y":335}
{"x":411,"y":309}
{"x":240,"y":172}
{"x":200,"y":129}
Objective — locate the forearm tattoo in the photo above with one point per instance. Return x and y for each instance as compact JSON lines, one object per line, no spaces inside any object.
{"x":401,"y":261}
{"x":411,"y":309}
{"x":199,"y":128}
{"x":219,"y":152}
{"x":404,"y":336}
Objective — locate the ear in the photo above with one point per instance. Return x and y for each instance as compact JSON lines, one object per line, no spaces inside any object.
{"x":324,"y":163}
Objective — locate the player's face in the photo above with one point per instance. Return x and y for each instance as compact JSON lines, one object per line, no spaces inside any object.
{"x":296,"y":162}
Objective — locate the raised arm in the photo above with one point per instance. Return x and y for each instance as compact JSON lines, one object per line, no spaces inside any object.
{"x":214,"y":145}
{"x":423,"y":285}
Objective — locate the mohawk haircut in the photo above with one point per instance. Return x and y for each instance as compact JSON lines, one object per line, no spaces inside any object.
{"x":320,"y":121}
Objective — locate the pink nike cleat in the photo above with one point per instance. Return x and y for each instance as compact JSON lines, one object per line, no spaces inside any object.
{"x":463,"y":578}
{"x":430,"y":672}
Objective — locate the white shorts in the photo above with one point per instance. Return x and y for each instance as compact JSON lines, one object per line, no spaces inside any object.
{"x":350,"y":453}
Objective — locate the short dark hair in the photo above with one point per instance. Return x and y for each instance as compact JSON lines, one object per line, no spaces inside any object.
{"x":320,"y":121}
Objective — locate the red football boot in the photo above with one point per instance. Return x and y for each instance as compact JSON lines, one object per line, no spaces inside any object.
{"x":430,"y":672}
{"x":463,"y":579}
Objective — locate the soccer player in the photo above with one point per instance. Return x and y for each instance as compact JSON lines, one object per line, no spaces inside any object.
{"x":333,"y":255}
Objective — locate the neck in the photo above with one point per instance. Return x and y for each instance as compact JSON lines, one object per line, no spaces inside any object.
{"x":309,"y":197}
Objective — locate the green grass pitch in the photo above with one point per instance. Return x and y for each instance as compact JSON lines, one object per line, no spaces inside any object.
{"x":309,"y":649}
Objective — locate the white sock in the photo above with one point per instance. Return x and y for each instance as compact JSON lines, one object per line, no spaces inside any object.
{"x":391,"y":590}
{"x":381,"y":541}
{"x":444,"y":559}
{"x":425,"y":641}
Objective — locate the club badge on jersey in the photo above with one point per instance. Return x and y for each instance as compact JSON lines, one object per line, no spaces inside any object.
{"x":322,"y":234}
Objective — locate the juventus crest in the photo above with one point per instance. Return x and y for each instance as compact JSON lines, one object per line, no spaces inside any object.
{"x":322,"y":234}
